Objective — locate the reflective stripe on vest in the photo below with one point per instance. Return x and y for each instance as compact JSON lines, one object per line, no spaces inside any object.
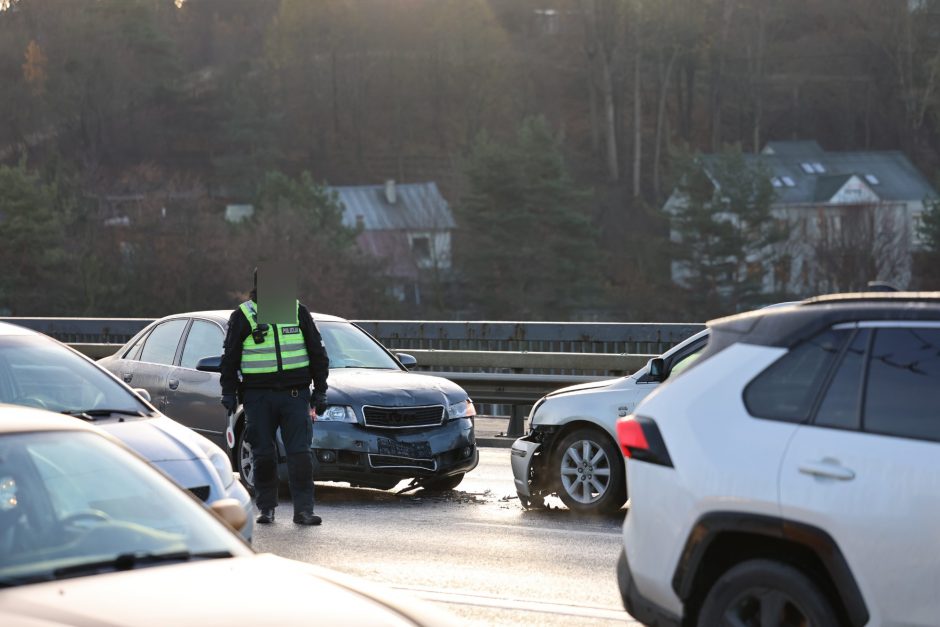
{"x":286,"y":344}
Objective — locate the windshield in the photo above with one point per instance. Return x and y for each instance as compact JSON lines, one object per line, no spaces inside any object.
{"x":72,"y":503}
{"x":349,"y":347}
{"x":37,"y":372}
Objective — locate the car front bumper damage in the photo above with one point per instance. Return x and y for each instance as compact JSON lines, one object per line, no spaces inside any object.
{"x":382,"y":457}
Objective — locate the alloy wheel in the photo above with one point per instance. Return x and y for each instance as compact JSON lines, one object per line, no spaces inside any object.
{"x":585,"y":471}
{"x":764,"y":607}
{"x":246,"y":467}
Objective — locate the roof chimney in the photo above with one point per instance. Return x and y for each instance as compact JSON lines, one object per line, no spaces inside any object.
{"x":390,"y":194}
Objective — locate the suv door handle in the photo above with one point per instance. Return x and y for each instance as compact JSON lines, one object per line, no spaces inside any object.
{"x":827,"y":469}
{"x":127,"y":376}
{"x":173,"y":383}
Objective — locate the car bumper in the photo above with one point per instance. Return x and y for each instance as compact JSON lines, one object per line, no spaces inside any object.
{"x":521,"y":457}
{"x":350,"y":452}
{"x":638,"y":606}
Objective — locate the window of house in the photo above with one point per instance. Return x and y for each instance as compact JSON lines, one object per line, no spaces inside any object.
{"x":421,"y":248}
{"x":872,"y":179}
{"x":776,"y":182}
{"x":807,"y":167}
{"x":787,"y":181}
{"x":818,"y":168}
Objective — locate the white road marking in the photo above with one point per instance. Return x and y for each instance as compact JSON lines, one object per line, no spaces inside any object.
{"x":519,"y":605}
{"x":583,"y":532}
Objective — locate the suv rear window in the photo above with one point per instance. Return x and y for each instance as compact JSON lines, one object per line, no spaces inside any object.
{"x":902,"y":397}
{"x":787,"y":389}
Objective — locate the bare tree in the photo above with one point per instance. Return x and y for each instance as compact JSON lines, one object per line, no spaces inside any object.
{"x":858,"y":244}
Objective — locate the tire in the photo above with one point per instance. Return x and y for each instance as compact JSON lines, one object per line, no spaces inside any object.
{"x":243,"y":463}
{"x":766,"y":593}
{"x":443,"y":484}
{"x":593,"y":486}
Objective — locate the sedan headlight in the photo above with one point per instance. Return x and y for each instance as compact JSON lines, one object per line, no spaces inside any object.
{"x":223,"y":467}
{"x":463,"y":409}
{"x":338,"y":413}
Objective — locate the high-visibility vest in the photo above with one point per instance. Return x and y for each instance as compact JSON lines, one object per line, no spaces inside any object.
{"x":283,"y":347}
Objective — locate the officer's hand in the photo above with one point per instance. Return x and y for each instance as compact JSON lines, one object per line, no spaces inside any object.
{"x":229,"y":402}
{"x":318,"y":402}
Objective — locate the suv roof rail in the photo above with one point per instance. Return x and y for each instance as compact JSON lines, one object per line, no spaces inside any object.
{"x":873,"y":297}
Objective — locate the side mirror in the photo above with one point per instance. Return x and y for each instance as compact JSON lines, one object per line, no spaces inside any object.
{"x":210,"y":364}
{"x":144,"y":394}
{"x":657,"y":369}
{"x":230,"y":512}
{"x":408,"y":361}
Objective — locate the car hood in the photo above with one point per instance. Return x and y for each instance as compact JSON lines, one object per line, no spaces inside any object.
{"x":157,"y":439}
{"x":390,"y":388}
{"x":283,"y":592}
{"x":581,"y":387}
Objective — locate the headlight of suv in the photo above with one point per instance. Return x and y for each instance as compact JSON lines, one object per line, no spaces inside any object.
{"x":338,"y":413}
{"x":223,"y":467}
{"x":463,"y":409}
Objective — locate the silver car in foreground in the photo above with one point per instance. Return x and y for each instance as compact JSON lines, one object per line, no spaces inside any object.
{"x":37,"y":371}
{"x":91,"y":535}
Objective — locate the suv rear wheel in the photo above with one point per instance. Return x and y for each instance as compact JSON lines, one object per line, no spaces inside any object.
{"x":765,"y":593}
{"x":588,"y":470}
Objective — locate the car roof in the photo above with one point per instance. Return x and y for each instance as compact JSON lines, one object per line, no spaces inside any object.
{"x":222,"y":315}
{"x":787,"y":326}
{"x":7,"y":328}
{"x":20,"y":419}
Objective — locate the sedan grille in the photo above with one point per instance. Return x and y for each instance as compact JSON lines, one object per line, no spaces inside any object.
{"x":395,"y":461}
{"x":403,"y":417}
{"x":201,"y":492}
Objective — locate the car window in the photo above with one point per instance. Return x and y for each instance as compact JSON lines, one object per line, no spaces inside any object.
{"x":204,"y":340}
{"x":349,"y":347}
{"x":37,"y":372}
{"x":685,"y":362}
{"x":840,"y":405}
{"x":133,"y":352}
{"x":903,"y":390}
{"x":162,"y":342}
{"x":786,"y":390}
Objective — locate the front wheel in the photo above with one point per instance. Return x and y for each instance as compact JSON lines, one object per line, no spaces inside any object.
{"x":765,"y":593}
{"x":589,"y":472}
{"x":245,"y":464}
{"x":444,"y":483}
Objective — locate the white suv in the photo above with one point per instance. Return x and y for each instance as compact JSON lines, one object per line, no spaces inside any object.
{"x":796,"y":479}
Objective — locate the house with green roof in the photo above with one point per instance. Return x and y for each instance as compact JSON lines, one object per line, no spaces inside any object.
{"x":836,"y":207}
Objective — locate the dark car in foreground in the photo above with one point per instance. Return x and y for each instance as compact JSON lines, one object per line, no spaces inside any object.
{"x":91,"y":535}
{"x":383,"y":424}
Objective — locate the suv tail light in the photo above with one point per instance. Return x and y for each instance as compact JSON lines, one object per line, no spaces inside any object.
{"x":641,"y":440}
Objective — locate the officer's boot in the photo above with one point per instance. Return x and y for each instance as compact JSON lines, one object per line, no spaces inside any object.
{"x":300,"y":476}
{"x":265,"y":477}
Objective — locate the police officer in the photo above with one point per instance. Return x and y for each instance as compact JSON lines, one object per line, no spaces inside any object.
{"x":277,"y":363}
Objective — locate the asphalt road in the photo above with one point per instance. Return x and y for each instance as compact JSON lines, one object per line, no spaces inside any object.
{"x":473,"y":551}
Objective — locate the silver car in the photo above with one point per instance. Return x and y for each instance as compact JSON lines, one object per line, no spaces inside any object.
{"x":37,"y":371}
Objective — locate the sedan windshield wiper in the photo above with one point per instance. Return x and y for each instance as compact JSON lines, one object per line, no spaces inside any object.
{"x":129,"y":561}
{"x":91,"y":414}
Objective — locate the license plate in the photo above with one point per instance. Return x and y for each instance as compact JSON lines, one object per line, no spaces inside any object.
{"x":415,"y":450}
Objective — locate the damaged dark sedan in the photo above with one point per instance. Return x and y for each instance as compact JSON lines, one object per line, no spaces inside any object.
{"x":383,"y":425}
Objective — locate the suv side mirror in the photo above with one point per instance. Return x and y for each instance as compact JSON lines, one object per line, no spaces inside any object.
{"x":210,"y":364}
{"x":408,"y":361}
{"x":657,"y":371}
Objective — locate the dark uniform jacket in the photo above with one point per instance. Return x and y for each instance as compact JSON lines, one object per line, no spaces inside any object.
{"x":239,"y":329}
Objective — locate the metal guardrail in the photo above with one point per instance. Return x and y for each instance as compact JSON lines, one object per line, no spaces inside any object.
{"x":498,"y":363}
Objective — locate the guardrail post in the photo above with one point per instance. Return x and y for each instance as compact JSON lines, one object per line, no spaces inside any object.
{"x":517,"y":420}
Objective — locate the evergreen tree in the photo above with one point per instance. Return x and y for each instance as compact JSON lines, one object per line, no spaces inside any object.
{"x":723,"y":231}
{"x":528,"y":248}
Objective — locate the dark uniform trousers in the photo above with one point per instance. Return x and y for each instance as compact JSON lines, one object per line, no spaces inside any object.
{"x":266,"y":411}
